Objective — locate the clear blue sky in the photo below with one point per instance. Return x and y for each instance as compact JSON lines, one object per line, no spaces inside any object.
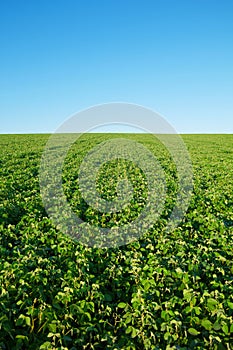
{"x":174,"y":56}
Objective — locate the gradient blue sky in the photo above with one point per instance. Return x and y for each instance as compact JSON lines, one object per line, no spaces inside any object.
{"x":58,"y":57}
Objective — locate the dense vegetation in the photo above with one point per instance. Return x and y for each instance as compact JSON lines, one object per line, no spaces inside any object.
{"x":163,"y":291}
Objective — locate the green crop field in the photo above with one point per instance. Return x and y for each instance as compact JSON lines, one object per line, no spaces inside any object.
{"x":165,"y":290}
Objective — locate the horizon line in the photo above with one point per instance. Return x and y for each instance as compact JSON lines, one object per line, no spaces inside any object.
{"x":116,"y":132}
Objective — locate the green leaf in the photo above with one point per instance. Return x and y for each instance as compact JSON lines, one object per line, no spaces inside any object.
{"x":121,"y":305}
{"x":20,"y":336}
{"x":197,"y":310}
{"x":231,"y":329}
{"x":23,"y":320}
{"x":193,"y":331}
{"x":128,"y":320}
{"x":165,"y":315}
{"x":206,"y":324}
{"x":128,"y":330}
{"x":211,"y":304}
{"x":167,"y":336}
{"x":225,"y":329}
{"x":230,"y":304}
{"x":216,"y":326}
{"x":134,"y":332}
{"x":188,"y":309}
{"x":52,"y":327}
{"x":187,"y":294}
{"x":28,"y":321}
{"x":131,"y":330}
{"x":45,"y":346}
{"x":50,"y":335}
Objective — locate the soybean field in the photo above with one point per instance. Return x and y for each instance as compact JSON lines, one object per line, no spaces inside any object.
{"x":163,"y":290}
